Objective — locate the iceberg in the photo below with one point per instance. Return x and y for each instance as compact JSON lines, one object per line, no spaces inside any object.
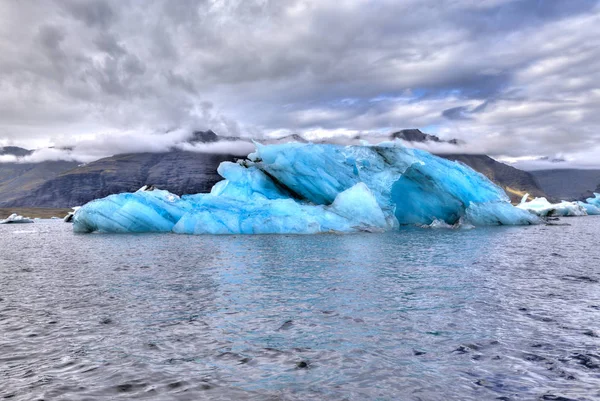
{"x":142,"y":211}
{"x":542,"y":207}
{"x":16,"y":219}
{"x":592,"y":205}
{"x":595,"y":201}
{"x":590,"y":208}
{"x":300,"y":188}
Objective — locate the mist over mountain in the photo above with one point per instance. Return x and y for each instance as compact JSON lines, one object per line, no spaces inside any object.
{"x":178,"y":171}
{"x":18,"y":180}
{"x":191,"y":167}
{"x":14,"y":151}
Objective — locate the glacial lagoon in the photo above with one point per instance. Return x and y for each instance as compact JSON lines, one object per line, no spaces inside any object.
{"x":491,"y":313}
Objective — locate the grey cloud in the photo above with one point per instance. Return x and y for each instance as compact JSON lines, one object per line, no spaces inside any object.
{"x":511,"y":77}
{"x":107,"y":43}
{"x":464,"y":112}
{"x":50,"y":37}
{"x":90,"y":12}
{"x":457,"y":113}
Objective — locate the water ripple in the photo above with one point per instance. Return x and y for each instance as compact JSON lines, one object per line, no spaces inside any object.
{"x":491,"y":313}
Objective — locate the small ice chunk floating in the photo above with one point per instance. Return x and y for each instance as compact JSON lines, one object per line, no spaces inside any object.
{"x":315,"y":188}
{"x":16,"y":219}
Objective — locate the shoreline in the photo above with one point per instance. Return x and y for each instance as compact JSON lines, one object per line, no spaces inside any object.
{"x":34,"y":212}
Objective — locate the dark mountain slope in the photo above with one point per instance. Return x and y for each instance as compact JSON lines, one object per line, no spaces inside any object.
{"x":416,"y":135}
{"x":568,"y":184}
{"x":179,"y":172}
{"x":19,"y":179}
{"x":14,"y":151}
{"x":186,"y":172}
{"x":65,"y":185}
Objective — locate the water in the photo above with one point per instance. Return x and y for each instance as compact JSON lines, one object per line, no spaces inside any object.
{"x":490,"y":313}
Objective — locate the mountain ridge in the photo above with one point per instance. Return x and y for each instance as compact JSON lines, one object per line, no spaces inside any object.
{"x":568,"y":184}
{"x":183,"y":172}
{"x":14,"y":151}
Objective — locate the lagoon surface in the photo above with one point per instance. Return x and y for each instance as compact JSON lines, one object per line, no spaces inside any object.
{"x":506,"y":313}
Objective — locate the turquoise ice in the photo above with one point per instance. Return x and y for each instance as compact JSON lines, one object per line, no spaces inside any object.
{"x":315,"y":188}
{"x":595,"y":200}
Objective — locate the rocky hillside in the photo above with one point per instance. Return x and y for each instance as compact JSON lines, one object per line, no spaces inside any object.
{"x":568,"y":184}
{"x":17,"y":180}
{"x":179,"y":172}
{"x":416,"y":135}
{"x":66,"y":184}
{"x":14,"y":151}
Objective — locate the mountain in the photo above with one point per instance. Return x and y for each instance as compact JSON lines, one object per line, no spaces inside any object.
{"x":14,"y":151}
{"x":19,"y":179}
{"x":66,"y":184}
{"x":416,"y":135}
{"x":568,"y":184}
{"x":209,"y":137}
{"x":178,"y":171}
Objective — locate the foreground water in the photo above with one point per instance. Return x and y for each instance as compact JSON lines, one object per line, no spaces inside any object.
{"x":490,"y":313}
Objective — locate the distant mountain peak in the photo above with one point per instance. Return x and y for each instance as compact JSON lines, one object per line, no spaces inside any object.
{"x":14,"y":151}
{"x":416,"y":135}
{"x":210,"y":137}
{"x":292,"y":138}
{"x":204,"y":137}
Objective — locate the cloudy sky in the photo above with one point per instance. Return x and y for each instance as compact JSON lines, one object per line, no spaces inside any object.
{"x":517,"y":79}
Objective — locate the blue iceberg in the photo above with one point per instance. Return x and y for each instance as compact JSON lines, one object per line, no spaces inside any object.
{"x":595,"y":201}
{"x":590,"y":208}
{"x":544,"y":208}
{"x":315,"y":188}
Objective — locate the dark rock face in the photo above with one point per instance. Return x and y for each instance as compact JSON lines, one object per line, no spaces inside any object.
{"x":293,"y":138}
{"x":176,"y":171}
{"x":209,"y":137}
{"x":568,"y":184}
{"x":416,"y":135}
{"x":67,"y":184}
{"x":17,"y":180}
{"x":514,"y":181}
{"x":204,"y":137}
{"x":14,"y":151}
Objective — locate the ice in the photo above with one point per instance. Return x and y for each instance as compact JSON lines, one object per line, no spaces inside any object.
{"x":413,"y":185}
{"x":309,"y":188}
{"x":592,"y":205}
{"x":498,"y":213}
{"x":16,"y":219}
{"x":352,"y":210}
{"x":591,"y":209}
{"x":595,"y":201}
{"x":152,"y":211}
{"x":542,"y":207}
